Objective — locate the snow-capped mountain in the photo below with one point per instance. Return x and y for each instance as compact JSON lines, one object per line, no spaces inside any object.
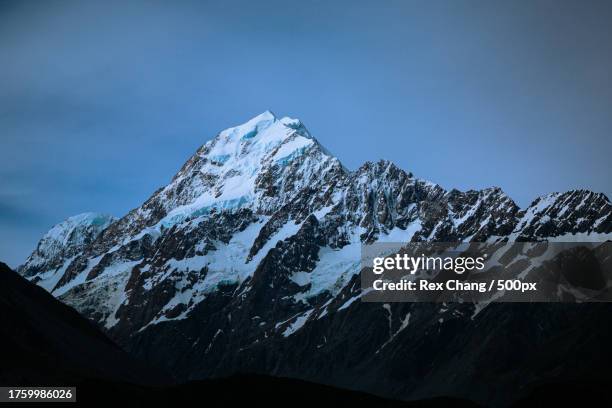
{"x":249,"y":259}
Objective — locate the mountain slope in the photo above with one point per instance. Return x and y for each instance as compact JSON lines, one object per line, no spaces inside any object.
{"x":46,"y":342}
{"x":248,"y":261}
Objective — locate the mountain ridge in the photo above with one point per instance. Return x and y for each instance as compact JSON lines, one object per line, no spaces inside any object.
{"x":255,"y":242}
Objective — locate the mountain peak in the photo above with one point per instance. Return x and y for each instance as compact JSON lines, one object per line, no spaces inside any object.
{"x":263,"y":137}
{"x":248,"y":165}
{"x":250,"y":128}
{"x":267,"y":114}
{"x":66,"y":239}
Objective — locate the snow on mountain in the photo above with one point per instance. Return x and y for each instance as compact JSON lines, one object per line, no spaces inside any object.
{"x":256,"y":241}
{"x":232,"y":165}
{"x":254,"y":185}
{"x":61,"y":244}
{"x":563,"y":214}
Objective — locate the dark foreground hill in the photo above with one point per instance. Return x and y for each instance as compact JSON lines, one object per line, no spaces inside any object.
{"x":246,"y":390}
{"x":44,"y":342}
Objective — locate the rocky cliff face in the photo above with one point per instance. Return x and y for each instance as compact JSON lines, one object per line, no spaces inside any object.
{"x":248,"y":261}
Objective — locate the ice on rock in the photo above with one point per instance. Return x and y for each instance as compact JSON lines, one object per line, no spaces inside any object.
{"x":292,"y":149}
{"x":61,"y":245}
{"x":61,"y":232}
{"x":69,"y":235}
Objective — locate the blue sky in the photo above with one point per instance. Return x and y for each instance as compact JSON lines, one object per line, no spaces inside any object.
{"x":102,"y":102}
